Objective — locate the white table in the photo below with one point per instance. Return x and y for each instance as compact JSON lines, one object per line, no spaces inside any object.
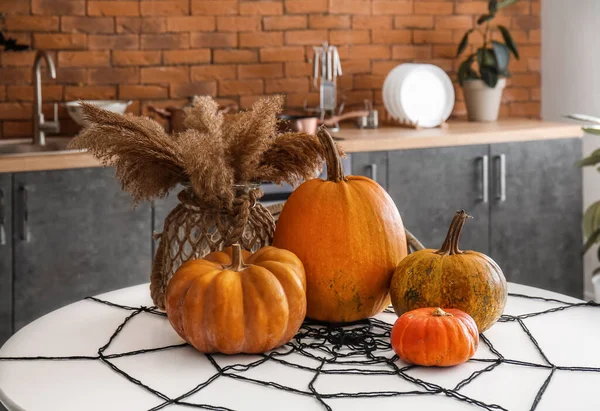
{"x":569,"y":337}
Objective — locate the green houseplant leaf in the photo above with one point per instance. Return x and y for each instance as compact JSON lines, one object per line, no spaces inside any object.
{"x":466,"y":72}
{"x":505,"y":3}
{"x":592,"y":239}
{"x":591,"y":219}
{"x":493,"y":6}
{"x":484,"y":18}
{"x":502,"y":56}
{"x":463,"y":43}
{"x":592,"y":130}
{"x":508,"y":40}
{"x":489,"y":75}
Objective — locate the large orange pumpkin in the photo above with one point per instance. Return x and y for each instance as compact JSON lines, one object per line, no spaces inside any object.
{"x":349,"y":235}
{"x":449,"y":277}
{"x":435,"y":337}
{"x":236,"y":302}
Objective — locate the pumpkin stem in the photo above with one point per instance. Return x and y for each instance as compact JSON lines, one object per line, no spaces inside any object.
{"x":335,"y":170}
{"x":450,"y":245}
{"x":438,"y":312}
{"x":237,"y":261}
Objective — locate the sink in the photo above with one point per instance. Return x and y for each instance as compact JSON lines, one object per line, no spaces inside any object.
{"x":25,"y":147}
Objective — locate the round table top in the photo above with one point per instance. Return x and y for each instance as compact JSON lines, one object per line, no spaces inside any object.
{"x":111,"y":374}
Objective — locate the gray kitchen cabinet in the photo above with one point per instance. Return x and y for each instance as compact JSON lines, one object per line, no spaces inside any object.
{"x":75,"y":235}
{"x":6,"y":273}
{"x":373,"y":165}
{"x":430,"y":185}
{"x":536,"y":213}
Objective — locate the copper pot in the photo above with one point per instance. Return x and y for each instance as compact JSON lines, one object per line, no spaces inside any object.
{"x":309,"y":124}
{"x":176,"y":115}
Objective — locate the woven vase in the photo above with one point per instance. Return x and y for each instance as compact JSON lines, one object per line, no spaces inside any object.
{"x":194,"y":229}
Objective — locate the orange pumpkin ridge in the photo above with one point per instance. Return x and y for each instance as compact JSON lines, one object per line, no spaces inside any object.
{"x":348,"y":233}
{"x":448,"y":277}
{"x":233,"y":301}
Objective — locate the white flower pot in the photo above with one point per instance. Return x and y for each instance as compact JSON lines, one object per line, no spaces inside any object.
{"x":596,"y":284}
{"x":483,"y":102}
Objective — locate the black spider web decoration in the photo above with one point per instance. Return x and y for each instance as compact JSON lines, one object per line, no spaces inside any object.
{"x":351,"y":346}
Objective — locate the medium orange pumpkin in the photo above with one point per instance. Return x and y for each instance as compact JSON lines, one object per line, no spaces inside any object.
{"x":435,"y":337}
{"x":349,"y":235}
{"x":449,"y":277}
{"x":233,"y":301}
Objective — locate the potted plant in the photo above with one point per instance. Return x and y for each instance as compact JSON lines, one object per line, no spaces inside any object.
{"x":483,"y":86}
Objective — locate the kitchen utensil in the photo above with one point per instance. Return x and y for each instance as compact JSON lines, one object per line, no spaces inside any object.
{"x":326,"y":68}
{"x":419,"y":93}
{"x":371,"y":120}
{"x":176,"y":115}
{"x":309,"y":124}
{"x":75,"y":111}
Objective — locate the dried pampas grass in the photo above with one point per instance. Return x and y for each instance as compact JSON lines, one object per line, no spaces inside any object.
{"x":215,"y":152}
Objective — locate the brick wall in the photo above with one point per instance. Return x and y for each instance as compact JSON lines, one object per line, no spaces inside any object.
{"x":160,"y":52}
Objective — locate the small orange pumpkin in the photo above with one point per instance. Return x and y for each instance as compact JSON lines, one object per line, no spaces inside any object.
{"x":449,"y":277}
{"x":233,"y":301}
{"x":435,"y":337}
{"x":349,"y":235}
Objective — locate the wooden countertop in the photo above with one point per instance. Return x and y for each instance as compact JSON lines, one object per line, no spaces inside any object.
{"x":354,"y":140}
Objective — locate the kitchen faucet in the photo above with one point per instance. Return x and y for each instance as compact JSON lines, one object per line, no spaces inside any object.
{"x":41,"y":127}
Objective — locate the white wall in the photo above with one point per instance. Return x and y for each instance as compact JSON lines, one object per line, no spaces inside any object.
{"x":571,"y":81}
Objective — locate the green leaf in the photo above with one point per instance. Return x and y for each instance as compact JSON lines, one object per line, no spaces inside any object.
{"x":510,"y":43}
{"x":493,"y":6}
{"x":592,"y":130}
{"x":505,"y":3}
{"x":584,"y":117}
{"x":591,"y":219}
{"x":489,"y":75}
{"x":463,"y":43}
{"x":486,"y":58}
{"x":484,"y":18}
{"x":591,"y":160}
{"x":465,"y":71}
{"x":592,"y":239}
{"x":502,"y":56}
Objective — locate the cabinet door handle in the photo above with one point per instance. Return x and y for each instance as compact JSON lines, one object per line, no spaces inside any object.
{"x":24,"y":214}
{"x":2,"y":228}
{"x":484,"y":179}
{"x":373,"y":168}
{"x":500,"y":161}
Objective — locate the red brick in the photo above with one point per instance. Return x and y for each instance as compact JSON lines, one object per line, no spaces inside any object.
{"x":87,"y":24}
{"x":371,"y":22}
{"x":165,"y":8}
{"x":306,"y":37}
{"x":90,"y":92}
{"x":213,"y":40}
{"x":261,"y":39}
{"x":202,"y":88}
{"x":261,"y":8}
{"x":165,"y":41}
{"x":296,"y":69}
{"x":238,"y":23}
{"x":411,"y":52}
{"x":530,"y":80}
{"x":392,"y":36}
{"x":135,"y":58}
{"x":2,"y":93}
{"x":141,"y":24}
{"x":271,"y":70}
{"x":83,"y":58}
{"x":235,"y":56}
{"x":215,"y":7}
{"x":214,"y":72}
{"x":163,"y":75}
{"x":413,"y":22}
{"x":59,"y":41}
{"x":342,"y":37}
{"x":12,"y":129}
{"x":350,"y":6}
{"x":113,"y":42}
{"x":297,"y":85}
{"x":534,"y":64}
{"x":369,"y":81}
{"x":71,"y":75}
{"x":113,"y":76}
{"x":50,"y":92}
{"x":15,"y":22}
{"x":58,"y":7}
{"x":285,"y":22}
{"x":18,"y":59}
{"x":432,"y":37}
{"x":531,"y":109}
{"x":434,"y":7}
{"x":536,"y":94}
{"x":240,"y":87}
{"x":14,"y":111}
{"x":186,"y":56}
{"x":444,"y":51}
{"x":15,"y":6}
{"x":526,"y":22}
{"x":329,"y":22}
{"x":520,"y":8}
{"x":389,"y":7}
{"x":299,"y":99}
{"x":191,"y":23}
{"x":284,"y":54}
{"x":369,"y":51}
{"x":142,"y":92}
{"x":383,"y":67}
{"x":357,"y":66}
{"x":471,"y":7}
{"x":453,"y":22}
{"x":305,"y":6}
{"x":113,"y":8}
{"x":511,"y":94}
